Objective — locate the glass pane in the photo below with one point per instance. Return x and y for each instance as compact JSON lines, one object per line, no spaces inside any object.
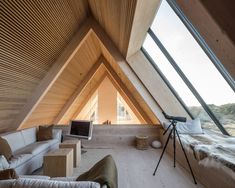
{"x":195,"y":64}
{"x":178,"y":84}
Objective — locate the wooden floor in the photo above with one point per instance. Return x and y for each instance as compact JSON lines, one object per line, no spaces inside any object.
{"x":135,"y":168}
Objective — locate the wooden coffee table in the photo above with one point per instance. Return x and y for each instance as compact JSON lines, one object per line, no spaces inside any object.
{"x":58,"y":163}
{"x":76,"y":145}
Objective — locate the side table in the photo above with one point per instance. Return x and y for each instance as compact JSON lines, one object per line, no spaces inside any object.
{"x":76,"y":146}
{"x":58,"y":163}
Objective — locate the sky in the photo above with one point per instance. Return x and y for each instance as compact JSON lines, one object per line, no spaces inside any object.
{"x":190,"y":58}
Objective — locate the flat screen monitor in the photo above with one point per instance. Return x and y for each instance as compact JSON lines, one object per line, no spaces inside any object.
{"x":81,"y":129}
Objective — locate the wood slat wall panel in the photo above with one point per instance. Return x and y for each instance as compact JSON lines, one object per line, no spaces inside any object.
{"x":66,"y":84}
{"x":32,"y":35}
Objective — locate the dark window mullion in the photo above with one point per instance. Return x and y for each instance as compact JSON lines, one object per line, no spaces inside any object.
{"x":203,"y":44}
{"x":187,"y":82}
{"x":166,"y":82}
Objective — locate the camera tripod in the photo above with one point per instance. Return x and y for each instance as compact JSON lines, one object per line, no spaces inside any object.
{"x":175,"y":132}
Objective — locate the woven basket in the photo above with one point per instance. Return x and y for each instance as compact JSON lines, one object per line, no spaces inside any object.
{"x":142,"y":142}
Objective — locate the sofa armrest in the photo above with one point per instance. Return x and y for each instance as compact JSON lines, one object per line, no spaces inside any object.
{"x":3,"y":163}
{"x":57,"y":134}
{"x":40,"y":183}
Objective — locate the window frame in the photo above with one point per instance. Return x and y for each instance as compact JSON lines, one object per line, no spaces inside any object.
{"x":208,"y":52}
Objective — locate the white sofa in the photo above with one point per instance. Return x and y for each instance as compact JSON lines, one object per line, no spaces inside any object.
{"x":27,"y":152}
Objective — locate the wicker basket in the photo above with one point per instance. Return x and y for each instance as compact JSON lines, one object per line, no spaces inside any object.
{"x":142,"y":142}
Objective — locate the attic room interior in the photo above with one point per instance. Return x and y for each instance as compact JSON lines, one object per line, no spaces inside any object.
{"x":117,"y":93}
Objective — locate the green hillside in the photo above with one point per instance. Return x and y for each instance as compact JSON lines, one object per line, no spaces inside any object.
{"x":225,"y":113}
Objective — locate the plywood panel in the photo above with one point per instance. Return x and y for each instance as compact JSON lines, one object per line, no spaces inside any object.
{"x":66,"y":84}
{"x":33,"y":34}
{"x":116,"y":17}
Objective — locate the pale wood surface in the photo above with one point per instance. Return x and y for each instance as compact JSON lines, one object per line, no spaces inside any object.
{"x":33,"y":35}
{"x":135,"y":168}
{"x":52,"y":75}
{"x":143,"y":18}
{"x":65,"y":85}
{"x":76,"y":93}
{"x":58,"y":163}
{"x":156,"y":86}
{"x":71,"y":90}
{"x":117,"y":61}
{"x":116,"y":18}
{"x":27,"y":60}
{"x":76,"y":146}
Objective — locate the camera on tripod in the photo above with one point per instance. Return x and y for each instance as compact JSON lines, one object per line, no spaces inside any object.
{"x":174,"y":118}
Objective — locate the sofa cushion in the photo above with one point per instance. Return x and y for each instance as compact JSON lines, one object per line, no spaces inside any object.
{"x":29,"y":183}
{"x":29,"y":135}
{"x":5,"y":149}
{"x":8,"y":174}
{"x":18,"y":160}
{"x":34,"y":148}
{"x":15,"y":140}
{"x":51,"y":142}
{"x":44,"y":133}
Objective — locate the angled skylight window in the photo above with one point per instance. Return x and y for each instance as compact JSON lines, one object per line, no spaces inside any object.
{"x":180,"y":87}
{"x":194,"y":64}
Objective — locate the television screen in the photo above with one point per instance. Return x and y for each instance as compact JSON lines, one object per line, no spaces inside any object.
{"x":81,"y":129}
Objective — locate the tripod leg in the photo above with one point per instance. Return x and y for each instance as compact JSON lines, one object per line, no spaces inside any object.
{"x":186,"y":157}
{"x":167,"y":129}
{"x":174,"y":130}
{"x":162,"y":152}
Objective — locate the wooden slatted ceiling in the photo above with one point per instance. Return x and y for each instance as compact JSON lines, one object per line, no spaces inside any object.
{"x":32,"y":35}
{"x":116,"y":17}
{"x":66,"y":84}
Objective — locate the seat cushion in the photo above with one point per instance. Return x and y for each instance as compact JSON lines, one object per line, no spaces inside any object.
{"x":18,"y":160}
{"x":34,"y":148}
{"x":45,"y":133}
{"x":5,"y":149}
{"x":52,"y":142}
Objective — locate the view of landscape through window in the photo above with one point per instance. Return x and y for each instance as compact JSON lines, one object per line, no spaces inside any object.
{"x":197,"y":67}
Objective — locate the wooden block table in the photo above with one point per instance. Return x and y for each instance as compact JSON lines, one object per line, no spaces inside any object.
{"x":58,"y":163}
{"x":76,"y":145}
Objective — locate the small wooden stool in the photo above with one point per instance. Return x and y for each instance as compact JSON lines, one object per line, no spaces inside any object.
{"x":76,"y":146}
{"x":142,"y":142}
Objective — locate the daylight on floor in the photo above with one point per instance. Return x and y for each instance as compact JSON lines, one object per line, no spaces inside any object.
{"x":117,"y":93}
